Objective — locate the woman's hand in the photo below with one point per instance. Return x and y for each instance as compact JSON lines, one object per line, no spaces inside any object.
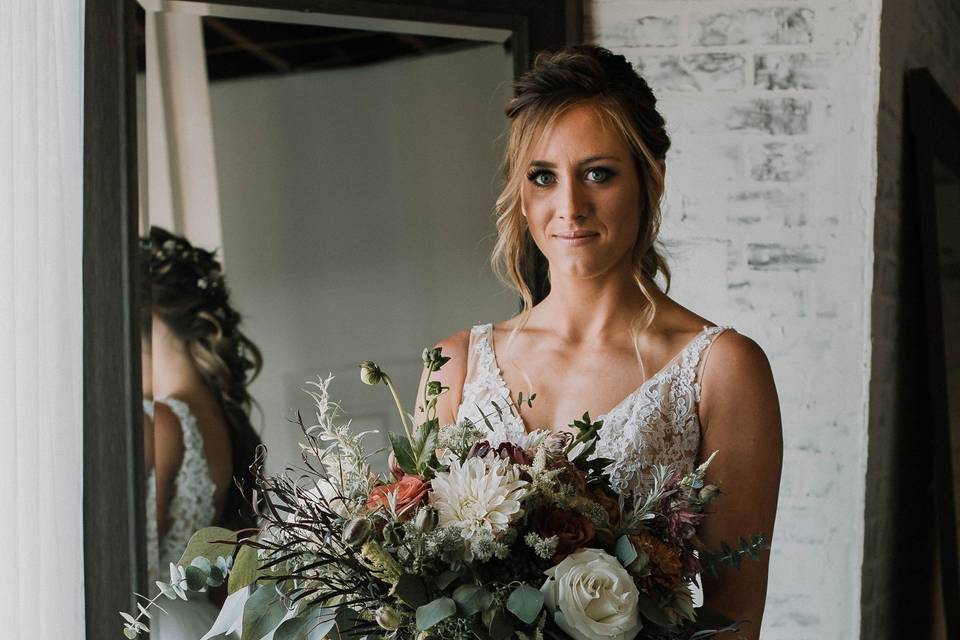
{"x":740,"y":418}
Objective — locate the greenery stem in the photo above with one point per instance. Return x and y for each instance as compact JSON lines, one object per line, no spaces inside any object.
{"x":403,"y":416}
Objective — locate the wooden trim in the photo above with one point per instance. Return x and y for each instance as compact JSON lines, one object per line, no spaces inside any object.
{"x":113,"y":474}
{"x":935,"y":132}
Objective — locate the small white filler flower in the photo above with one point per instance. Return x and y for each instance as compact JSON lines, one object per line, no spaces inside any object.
{"x":592,"y":597}
{"x":480,"y":494}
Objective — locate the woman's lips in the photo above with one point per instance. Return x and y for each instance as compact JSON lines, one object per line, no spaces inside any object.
{"x":577,"y":238}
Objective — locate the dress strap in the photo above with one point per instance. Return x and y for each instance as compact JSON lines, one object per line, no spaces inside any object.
{"x":476,"y":353}
{"x":710,"y":336}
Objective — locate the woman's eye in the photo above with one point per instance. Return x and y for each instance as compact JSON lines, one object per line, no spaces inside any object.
{"x":599,"y":174}
{"x":540,"y":178}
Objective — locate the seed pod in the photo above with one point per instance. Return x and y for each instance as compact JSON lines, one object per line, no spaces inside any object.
{"x":370,"y":373}
{"x":388,"y":618}
{"x":356,"y":531}
{"x":709,"y":492}
{"x":426,"y":520}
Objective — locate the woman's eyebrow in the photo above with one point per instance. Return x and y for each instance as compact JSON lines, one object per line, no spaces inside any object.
{"x":588,"y":159}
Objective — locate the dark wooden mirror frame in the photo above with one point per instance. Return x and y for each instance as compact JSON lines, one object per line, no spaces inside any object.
{"x":113,"y":474}
{"x":934,"y":132}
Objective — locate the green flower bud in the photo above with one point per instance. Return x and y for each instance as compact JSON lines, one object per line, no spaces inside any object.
{"x":426,"y":520}
{"x":433,"y":359}
{"x":356,"y":531}
{"x":370,"y":373}
{"x":388,"y":618}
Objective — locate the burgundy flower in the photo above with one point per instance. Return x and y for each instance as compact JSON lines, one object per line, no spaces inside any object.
{"x":513,"y":453}
{"x":479,"y":449}
{"x":573,"y":530}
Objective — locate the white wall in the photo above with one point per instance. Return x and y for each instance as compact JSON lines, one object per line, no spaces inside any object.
{"x":769,"y":209}
{"x":357,"y":213}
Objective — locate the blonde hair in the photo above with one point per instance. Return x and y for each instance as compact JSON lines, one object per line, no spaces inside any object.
{"x":559,"y":81}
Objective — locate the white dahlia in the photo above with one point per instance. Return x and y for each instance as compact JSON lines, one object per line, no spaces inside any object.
{"x":481,"y":494}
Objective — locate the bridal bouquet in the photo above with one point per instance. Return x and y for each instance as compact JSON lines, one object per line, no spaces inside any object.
{"x":462,"y":540}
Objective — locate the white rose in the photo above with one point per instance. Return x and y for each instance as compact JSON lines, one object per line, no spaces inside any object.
{"x":592,"y":597}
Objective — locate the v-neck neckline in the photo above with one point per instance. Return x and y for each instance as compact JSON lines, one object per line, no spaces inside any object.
{"x":660,"y":372}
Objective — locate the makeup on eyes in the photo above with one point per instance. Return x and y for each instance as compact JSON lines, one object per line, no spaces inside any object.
{"x":535,"y":172}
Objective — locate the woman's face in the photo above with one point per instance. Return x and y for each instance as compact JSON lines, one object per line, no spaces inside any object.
{"x":581,"y":197}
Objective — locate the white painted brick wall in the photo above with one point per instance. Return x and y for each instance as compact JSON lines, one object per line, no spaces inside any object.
{"x":769,"y":219}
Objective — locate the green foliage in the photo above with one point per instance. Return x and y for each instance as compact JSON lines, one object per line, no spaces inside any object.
{"x":313,"y":623}
{"x":411,"y":590}
{"x":732,"y":557}
{"x":434,"y":612}
{"x":348,"y":626}
{"x":403,"y":451}
{"x":652,"y":612}
{"x":626,"y":552}
{"x":262,"y":612}
{"x":525,"y":602}
{"x":471,"y":598}
{"x":209,"y":543}
{"x":245,"y":570}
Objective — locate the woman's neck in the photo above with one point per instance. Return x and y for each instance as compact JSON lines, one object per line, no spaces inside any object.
{"x":589,"y":309}
{"x":174,"y":371}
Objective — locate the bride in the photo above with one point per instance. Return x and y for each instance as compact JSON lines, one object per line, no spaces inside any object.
{"x":584,"y":176}
{"x":198,"y":437}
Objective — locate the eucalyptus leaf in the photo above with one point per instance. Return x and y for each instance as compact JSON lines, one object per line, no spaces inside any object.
{"x":434,"y":612}
{"x":626,"y":552}
{"x":262,"y":613}
{"x":470,"y":598}
{"x":206,"y":543}
{"x":446,"y":578}
{"x":214,"y":576}
{"x":245,"y":569}
{"x":501,"y":627}
{"x":314,"y":623}
{"x":411,"y":590}
{"x":525,"y":602}
{"x":196,"y":578}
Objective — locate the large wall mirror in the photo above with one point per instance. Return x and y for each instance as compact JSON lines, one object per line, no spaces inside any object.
{"x":935,"y":132}
{"x":340,"y":161}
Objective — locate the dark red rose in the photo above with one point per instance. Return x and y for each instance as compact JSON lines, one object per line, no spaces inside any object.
{"x":572,"y":529}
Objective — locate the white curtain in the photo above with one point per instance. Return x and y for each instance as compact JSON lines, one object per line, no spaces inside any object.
{"x":41,"y":532}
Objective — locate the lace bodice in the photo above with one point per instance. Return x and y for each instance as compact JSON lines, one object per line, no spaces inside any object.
{"x":191,"y":506}
{"x":656,"y":424}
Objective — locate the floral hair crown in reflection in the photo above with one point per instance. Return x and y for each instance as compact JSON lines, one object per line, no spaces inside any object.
{"x":173,"y":262}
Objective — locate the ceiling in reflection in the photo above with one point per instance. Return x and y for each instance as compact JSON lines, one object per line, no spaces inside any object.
{"x":244,"y":48}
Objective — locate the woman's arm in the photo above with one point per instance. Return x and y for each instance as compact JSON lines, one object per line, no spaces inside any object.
{"x":740,"y":418}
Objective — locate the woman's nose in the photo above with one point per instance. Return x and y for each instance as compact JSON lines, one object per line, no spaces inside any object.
{"x":572,"y":201}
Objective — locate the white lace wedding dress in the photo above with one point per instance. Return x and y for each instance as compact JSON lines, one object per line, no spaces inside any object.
{"x":657,"y":423}
{"x":191,"y":507}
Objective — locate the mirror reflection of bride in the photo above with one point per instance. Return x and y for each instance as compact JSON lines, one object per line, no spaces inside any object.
{"x":198,"y":437}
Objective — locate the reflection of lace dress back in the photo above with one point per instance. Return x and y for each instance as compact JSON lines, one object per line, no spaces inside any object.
{"x":656,"y":424}
{"x":191,"y":507}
